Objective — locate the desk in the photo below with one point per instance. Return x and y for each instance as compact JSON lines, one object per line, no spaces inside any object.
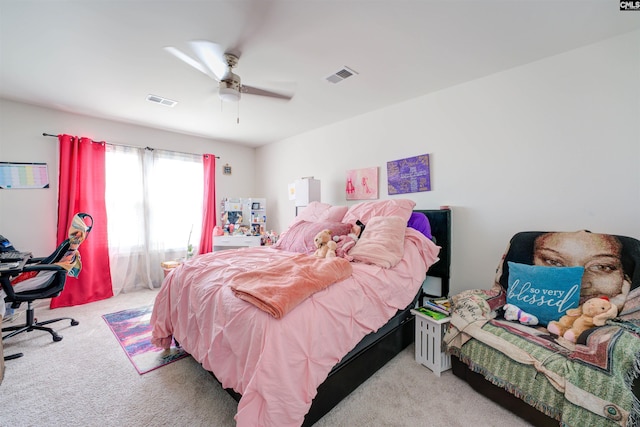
{"x":14,"y":265}
{"x":233,"y":242}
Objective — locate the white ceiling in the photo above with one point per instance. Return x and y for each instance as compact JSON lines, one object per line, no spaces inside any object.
{"x":103,"y":57}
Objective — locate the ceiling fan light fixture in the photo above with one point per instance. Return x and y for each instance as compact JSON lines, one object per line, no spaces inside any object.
{"x":228,"y":94}
{"x":229,"y":88}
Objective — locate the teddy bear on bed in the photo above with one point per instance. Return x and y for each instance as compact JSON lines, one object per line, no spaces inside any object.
{"x":594,"y":312}
{"x":344,"y":243}
{"x":326,"y":247}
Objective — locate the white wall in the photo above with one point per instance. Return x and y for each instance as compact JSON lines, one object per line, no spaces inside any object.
{"x":29,"y":217}
{"x":553,"y":145}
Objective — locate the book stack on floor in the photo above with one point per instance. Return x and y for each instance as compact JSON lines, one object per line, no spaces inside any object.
{"x":438,"y":308}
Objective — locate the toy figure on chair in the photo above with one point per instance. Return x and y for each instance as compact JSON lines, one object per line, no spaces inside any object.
{"x":513,"y":313}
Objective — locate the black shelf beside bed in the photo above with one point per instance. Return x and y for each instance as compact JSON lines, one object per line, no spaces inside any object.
{"x":440,"y":222}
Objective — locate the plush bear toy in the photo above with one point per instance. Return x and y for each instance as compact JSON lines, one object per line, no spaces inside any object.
{"x":594,"y":312}
{"x":565,"y":323}
{"x":326,"y":247}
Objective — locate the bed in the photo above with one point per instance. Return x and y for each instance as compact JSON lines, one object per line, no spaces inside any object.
{"x":291,"y":365}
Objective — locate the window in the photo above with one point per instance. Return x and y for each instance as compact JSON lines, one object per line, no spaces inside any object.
{"x":154,"y":208}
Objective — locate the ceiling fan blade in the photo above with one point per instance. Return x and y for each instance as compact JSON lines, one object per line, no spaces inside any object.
{"x":187,"y":59}
{"x":250,"y":90}
{"x":212,"y":56}
{"x":255,"y":15}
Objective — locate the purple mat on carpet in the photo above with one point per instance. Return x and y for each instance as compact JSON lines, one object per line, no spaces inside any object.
{"x":133,"y":331}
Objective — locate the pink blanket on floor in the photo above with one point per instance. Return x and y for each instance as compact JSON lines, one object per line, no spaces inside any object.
{"x":283,"y":284}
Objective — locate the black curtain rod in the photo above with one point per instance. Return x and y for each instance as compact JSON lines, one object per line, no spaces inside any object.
{"x":132,"y":146}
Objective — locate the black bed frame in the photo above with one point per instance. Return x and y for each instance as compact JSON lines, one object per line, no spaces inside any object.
{"x":361,"y":364}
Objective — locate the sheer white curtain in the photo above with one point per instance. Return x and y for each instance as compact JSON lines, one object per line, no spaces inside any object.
{"x":154,"y":210}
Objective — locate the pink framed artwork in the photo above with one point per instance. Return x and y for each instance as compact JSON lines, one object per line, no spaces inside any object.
{"x":362,"y":184}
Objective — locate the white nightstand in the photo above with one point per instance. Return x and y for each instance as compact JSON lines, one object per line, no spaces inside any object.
{"x":429,"y":348}
{"x":233,"y":242}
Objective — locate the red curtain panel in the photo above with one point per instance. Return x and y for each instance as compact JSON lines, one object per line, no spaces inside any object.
{"x":208,"y":204}
{"x":81,"y":188}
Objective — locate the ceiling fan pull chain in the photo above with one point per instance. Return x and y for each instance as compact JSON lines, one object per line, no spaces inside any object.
{"x":238,"y":118}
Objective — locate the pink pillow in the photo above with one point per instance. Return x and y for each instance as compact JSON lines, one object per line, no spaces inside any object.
{"x":299,"y":237}
{"x":366,"y":210}
{"x":382,"y":242}
{"x":317,"y":211}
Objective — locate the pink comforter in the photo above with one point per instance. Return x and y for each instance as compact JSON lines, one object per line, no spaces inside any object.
{"x":277,"y":364}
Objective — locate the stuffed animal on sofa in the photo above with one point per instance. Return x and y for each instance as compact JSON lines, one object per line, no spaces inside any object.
{"x":594,"y":312}
{"x":326,"y":247}
{"x":344,"y":243}
{"x":514,"y":313}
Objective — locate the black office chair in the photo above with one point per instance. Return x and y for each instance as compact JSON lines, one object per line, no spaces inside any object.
{"x":52,"y":285}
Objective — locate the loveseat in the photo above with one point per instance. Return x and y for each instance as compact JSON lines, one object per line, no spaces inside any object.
{"x":545,"y":378}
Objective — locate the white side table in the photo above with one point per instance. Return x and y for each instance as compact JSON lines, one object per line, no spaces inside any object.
{"x":167,"y":266}
{"x":428,"y":344}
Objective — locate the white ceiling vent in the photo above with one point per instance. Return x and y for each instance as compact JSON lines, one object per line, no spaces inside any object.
{"x":162,"y":101}
{"x":340,"y":75}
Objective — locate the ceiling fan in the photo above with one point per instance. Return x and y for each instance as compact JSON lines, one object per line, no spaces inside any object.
{"x":218,"y":64}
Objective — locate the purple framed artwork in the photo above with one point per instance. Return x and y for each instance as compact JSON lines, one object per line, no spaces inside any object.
{"x":362,"y":184}
{"x":410,"y":175}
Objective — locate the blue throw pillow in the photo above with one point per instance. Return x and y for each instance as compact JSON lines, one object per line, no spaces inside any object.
{"x":545,"y":292}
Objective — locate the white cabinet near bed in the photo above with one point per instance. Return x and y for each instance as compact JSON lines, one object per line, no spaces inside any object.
{"x":234,"y":242}
{"x":429,"y":350}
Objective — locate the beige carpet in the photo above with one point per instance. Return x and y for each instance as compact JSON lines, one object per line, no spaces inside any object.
{"x":87,"y":380}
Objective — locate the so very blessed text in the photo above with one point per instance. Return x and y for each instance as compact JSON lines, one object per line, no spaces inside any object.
{"x":548,"y":297}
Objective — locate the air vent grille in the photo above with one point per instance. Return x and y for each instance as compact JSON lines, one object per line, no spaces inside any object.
{"x":162,"y":101}
{"x":340,"y":75}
